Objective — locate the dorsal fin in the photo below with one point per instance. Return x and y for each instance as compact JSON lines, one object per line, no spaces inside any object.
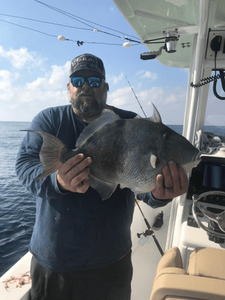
{"x":107,"y":116}
{"x":156,"y":116}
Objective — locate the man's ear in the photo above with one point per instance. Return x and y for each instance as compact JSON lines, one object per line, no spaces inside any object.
{"x":107,"y":86}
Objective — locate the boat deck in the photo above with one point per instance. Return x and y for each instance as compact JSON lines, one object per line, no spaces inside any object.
{"x":16,"y":274}
{"x":145,"y":259}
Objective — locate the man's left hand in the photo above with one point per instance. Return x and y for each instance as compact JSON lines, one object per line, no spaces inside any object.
{"x":172,"y":183}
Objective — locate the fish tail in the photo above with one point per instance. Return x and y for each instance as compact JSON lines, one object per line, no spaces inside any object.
{"x":53,"y":154}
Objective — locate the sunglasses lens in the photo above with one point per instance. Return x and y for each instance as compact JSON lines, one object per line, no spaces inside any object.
{"x":78,"y":81}
{"x":92,"y":81}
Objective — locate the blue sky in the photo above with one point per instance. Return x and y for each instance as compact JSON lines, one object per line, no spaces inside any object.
{"x":34,"y":67}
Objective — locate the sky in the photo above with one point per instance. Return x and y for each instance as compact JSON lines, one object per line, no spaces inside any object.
{"x":34,"y":64}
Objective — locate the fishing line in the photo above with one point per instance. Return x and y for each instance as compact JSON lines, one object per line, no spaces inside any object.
{"x":85,"y":21}
{"x":79,"y":43}
{"x":149,"y":231}
{"x":46,"y":22}
{"x":29,"y":28}
{"x":136,"y":97}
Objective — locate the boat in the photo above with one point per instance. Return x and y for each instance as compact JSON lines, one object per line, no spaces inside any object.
{"x":191,"y":35}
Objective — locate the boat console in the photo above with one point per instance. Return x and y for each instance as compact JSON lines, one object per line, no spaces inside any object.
{"x":206,"y":187}
{"x":200,"y":215}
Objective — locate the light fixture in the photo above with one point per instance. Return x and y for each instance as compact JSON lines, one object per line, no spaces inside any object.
{"x":171,"y":42}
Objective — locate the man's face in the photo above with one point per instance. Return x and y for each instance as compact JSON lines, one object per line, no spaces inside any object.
{"x":88,"y":102}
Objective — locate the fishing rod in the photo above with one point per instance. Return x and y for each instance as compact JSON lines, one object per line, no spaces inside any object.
{"x":136,"y":97}
{"x":149,"y":231}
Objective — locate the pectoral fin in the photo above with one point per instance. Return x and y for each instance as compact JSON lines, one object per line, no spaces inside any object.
{"x":153,"y":161}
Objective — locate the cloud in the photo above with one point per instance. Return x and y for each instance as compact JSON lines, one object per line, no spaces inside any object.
{"x":158,"y":95}
{"x":169,"y":101}
{"x":120,"y":97}
{"x":21,"y":57}
{"x":149,"y":75}
{"x":112,"y":80}
{"x":148,"y":96}
{"x":59,"y":76}
{"x":21,"y":102}
{"x":146,"y":74}
{"x":6,"y":89}
{"x":56,"y":80}
{"x":165,"y":99}
{"x":5,"y":79}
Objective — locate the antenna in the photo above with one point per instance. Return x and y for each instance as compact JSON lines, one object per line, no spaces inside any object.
{"x":136,"y":97}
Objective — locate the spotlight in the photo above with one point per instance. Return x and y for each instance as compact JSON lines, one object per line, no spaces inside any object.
{"x":171,"y":43}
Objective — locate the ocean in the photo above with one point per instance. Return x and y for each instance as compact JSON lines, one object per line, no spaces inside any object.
{"x":17,"y":205}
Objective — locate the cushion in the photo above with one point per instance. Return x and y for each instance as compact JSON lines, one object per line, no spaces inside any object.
{"x":207,"y":262}
{"x":171,"y":258}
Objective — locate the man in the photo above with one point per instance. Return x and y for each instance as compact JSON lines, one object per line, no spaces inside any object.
{"x":81,"y":245}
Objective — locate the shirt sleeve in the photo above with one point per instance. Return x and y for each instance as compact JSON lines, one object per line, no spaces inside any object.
{"x":149,"y":199}
{"x":28,"y":165}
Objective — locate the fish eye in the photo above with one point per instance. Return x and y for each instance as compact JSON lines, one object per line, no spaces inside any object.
{"x":166,"y":136}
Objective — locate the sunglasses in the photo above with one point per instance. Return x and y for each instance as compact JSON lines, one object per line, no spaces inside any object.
{"x":92,"y":81}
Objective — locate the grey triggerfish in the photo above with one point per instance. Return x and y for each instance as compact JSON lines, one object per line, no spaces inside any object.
{"x":128,"y":152}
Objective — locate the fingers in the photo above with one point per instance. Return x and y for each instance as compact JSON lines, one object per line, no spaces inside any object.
{"x":183,"y":180}
{"x":172,"y":183}
{"x":159,"y":190}
{"x":169,"y":175}
{"x":72,"y":176}
{"x":73,"y":163}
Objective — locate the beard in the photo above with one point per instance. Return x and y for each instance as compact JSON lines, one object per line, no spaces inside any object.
{"x":90,"y":106}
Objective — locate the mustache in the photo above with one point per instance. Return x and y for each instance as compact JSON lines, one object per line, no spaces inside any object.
{"x":85,"y":92}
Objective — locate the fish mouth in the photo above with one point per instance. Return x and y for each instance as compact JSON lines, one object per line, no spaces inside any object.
{"x":197,"y":157}
{"x":189,"y":166}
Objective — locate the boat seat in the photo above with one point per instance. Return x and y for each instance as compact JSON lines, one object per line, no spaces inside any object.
{"x":204,"y":278}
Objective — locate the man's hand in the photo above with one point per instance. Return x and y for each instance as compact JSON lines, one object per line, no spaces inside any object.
{"x":72,"y":176}
{"x":172,"y":183}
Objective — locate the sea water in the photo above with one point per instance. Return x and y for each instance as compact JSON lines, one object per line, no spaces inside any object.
{"x":17,"y":205}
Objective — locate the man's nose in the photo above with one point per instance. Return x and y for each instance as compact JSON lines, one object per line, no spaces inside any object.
{"x":86,"y":85}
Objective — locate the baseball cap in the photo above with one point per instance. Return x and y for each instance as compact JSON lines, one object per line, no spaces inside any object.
{"x":87,"y":62}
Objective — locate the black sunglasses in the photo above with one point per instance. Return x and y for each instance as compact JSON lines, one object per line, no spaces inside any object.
{"x":92,"y":81}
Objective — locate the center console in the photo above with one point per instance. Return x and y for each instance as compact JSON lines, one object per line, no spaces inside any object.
{"x":184,"y":232}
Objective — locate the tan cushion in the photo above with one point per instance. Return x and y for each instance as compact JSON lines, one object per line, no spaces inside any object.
{"x":207,"y":262}
{"x":171,"y":258}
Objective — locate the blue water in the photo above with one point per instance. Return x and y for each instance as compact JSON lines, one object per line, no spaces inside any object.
{"x":17,"y":205}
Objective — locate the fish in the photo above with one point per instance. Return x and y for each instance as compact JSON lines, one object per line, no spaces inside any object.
{"x":125,"y":152}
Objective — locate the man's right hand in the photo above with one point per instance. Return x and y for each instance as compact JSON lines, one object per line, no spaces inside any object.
{"x":72,"y":176}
